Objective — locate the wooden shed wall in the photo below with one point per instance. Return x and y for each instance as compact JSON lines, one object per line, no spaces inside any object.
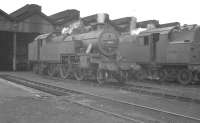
{"x":35,"y":23}
{"x":5,"y":24}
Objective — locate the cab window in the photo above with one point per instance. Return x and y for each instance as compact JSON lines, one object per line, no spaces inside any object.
{"x":40,"y":42}
{"x":156,"y":37}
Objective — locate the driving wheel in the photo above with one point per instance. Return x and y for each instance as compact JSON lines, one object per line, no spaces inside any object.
{"x":101,"y":76}
{"x":79,"y":74}
{"x":64,"y":71}
{"x":185,"y":76}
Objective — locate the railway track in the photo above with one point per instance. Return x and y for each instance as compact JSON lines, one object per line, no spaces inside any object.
{"x":118,"y":108}
{"x":146,"y":90}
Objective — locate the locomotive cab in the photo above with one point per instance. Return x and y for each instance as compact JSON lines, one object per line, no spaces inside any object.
{"x":183,"y":52}
{"x":169,"y":53}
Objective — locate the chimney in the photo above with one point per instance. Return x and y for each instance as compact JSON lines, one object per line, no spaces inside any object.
{"x":133,"y":23}
{"x":102,"y":18}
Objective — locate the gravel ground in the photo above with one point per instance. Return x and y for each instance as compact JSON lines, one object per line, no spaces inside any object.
{"x":184,"y":108}
{"x":32,"y":110}
{"x":23,"y":105}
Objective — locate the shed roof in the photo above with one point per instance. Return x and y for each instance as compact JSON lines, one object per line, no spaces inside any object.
{"x":123,"y":24}
{"x":7,"y":16}
{"x":141,"y":24}
{"x":65,"y":16}
{"x":27,"y":11}
{"x":93,"y":19}
{"x":24,"y":9}
{"x":124,"y":20}
{"x":169,"y":24}
{"x":65,"y":13}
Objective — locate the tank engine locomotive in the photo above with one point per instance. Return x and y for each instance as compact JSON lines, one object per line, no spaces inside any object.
{"x":82,"y":51}
{"x":168,"y":53}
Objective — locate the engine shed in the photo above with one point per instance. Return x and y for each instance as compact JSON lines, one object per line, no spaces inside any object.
{"x":19,"y":28}
{"x":16,"y":31}
{"x":6,"y":41}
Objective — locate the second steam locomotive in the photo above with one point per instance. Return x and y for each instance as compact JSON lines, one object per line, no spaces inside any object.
{"x":164,"y":53}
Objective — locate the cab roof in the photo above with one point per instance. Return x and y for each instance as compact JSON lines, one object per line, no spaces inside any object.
{"x":164,"y":30}
{"x":43,"y":36}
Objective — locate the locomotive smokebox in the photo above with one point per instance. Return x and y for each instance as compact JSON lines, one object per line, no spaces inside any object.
{"x":105,"y":41}
{"x":108,"y":42}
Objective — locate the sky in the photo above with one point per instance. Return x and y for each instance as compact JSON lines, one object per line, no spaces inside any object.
{"x":183,"y":11}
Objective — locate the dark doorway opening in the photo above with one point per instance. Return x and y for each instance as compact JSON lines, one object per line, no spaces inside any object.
{"x":23,"y":39}
{"x":6,"y":50}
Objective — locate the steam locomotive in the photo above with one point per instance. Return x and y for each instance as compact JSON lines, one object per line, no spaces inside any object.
{"x":104,"y":52}
{"x":165,"y":53}
{"x":84,"y":52}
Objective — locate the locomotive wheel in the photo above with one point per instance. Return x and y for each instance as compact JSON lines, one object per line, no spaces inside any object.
{"x":185,"y":76}
{"x":123,"y":76}
{"x":64,"y":71}
{"x":51,"y":70}
{"x":171,"y":74}
{"x":141,"y":75}
{"x":35,"y":68}
{"x":198,"y":76}
{"x":79,"y":74}
{"x":162,"y":74}
{"x":101,"y":76}
{"x":41,"y":69}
